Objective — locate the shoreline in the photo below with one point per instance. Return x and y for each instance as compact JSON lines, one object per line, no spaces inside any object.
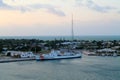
{"x":15,"y":60}
{"x":88,"y":53}
{"x":5,"y":60}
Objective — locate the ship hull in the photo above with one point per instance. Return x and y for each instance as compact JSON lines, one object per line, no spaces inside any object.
{"x":58,"y":58}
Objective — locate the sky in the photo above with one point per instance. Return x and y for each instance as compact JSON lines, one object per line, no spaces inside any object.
{"x":53,"y":17}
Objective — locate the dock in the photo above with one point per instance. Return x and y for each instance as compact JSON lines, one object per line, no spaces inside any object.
{"x":15,"y":60}
{"x":89,"y":53}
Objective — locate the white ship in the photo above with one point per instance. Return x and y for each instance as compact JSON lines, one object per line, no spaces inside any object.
{"x":56,"y":54}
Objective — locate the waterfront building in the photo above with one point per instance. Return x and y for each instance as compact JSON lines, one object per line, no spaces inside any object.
{"x":106,"y":52}
{"x":19,"y":54}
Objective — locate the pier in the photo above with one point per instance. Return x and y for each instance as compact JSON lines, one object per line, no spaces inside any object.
{"x":15,"y":60}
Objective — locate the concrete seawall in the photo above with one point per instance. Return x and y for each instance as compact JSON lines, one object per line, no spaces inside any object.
{"x":16,"y":60}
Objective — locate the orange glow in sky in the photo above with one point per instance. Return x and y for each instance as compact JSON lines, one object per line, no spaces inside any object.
{"x":53,"y":17}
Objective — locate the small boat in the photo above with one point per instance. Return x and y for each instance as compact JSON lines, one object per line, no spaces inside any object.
{"x":114,"y":54}
{"x":56,"y":54}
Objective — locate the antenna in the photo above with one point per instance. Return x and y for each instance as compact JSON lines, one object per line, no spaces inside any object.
{"x":72,"y":29}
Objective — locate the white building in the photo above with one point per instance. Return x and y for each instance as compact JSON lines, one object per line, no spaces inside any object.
{"x":106,"y":50}
{"x":19,"y":54}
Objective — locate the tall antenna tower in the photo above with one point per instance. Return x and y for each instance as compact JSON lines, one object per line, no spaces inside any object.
{"x":72,"y":29}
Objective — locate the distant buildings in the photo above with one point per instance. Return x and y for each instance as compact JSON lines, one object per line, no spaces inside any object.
{"x":19,"y":54}
{"x":106,"y":52}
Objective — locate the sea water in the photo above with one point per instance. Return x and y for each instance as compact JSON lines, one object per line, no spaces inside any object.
{"x":85,"y":68}
{"x":63,"y":37}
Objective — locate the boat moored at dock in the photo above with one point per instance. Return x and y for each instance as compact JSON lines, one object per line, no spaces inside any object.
{"x":56,"y":54}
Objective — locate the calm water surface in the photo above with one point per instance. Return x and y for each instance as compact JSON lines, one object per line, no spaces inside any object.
{"x":63,"y":37}
{"x":86,"y":68}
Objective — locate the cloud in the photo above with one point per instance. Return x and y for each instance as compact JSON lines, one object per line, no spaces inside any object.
{"x":4,"y":6}
{"x":94,"y":6}
{"x":119,"y":12}
{"x":49,"y":8}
